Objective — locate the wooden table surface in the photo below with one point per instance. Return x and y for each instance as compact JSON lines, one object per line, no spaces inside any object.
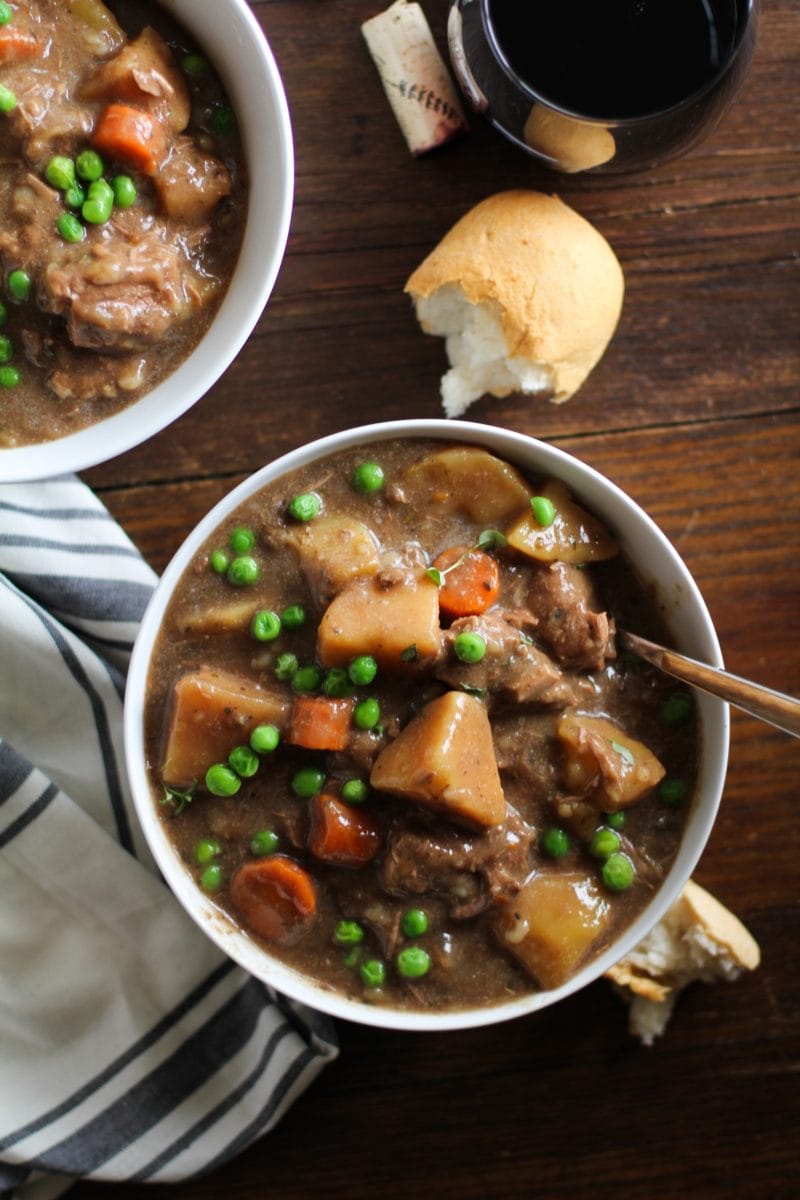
{"x":695,"y":411}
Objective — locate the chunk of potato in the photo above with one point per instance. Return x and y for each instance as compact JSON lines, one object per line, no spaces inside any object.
{"x":444,"y":759}
{"x":190,"y":183}
{"x":398,"y":625}
{"x":232,"y":617}
{"x":213,"y":711}
{"x":143,"y":70}
{"x":98,"y":27}
{"x":552,"y":924}
{"x":604,"y":764}
{"x":332,"y":552}
{"x":575,"y":536}
{"x":468,"y":480}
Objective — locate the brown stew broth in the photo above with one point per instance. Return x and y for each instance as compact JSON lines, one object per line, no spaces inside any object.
{"x":64,"y":386}
{"x":468,"y":965}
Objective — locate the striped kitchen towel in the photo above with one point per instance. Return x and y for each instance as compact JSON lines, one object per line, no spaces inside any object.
{"x":131,"y":1049}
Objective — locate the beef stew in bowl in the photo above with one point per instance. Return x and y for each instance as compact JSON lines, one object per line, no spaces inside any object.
{"x":389,"y":739}
{"x":136,"y":168}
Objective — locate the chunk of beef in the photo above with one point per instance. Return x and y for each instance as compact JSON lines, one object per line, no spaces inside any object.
{"x":144,"y":72}
{"x":563,"y":599}
{"x":513,"y":669}
{"x":523,"y":744}
{"x":470,"y":873}
{"x":27,"y":232}
{"x":117,"y":291}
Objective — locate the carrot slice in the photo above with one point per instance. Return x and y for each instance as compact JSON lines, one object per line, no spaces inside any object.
{"x":320,"y":723}
{"x":472,"y":586}
{"x":276,"y":897}
{"x":343,"y":835}
{"x":16,"y":44}
{"x":131,"y":135}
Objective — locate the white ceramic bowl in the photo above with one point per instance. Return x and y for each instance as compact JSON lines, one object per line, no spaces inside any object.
{"x":658,"y":566}
{"x":242,"y":57}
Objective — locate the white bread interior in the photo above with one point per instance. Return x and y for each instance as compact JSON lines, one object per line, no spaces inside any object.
{"x":698,"y":939}
{"x":527,"y":294}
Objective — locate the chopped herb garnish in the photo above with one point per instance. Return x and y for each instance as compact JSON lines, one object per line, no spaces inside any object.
{"x":479,"y":693}
{"x":526,"y":638}
{"x":436,"y":575}
{"x":489,"y":538}
{"x":178,"y":797}
{"x":410,"y":654}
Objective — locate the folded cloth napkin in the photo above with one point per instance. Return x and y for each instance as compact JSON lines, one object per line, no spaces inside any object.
{"x":131,"y":1049}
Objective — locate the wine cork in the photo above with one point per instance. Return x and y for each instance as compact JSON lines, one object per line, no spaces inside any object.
{"x":414,"y":77}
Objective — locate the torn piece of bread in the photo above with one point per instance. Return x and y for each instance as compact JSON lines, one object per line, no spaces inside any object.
{"x":697,"y":939}
{"x":527,"y":294}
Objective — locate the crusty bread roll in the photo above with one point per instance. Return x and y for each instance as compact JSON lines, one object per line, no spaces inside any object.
{"x":697,"y":939}
{"x":527,"y":294}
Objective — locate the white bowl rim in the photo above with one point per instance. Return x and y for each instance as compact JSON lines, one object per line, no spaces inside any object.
{"x":701,"y":642}
{"x":250,"y":286}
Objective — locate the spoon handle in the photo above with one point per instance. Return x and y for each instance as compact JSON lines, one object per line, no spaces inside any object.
{"x":774,"y":707}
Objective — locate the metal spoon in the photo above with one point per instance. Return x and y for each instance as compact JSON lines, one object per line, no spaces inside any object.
{"x":774,"y":707}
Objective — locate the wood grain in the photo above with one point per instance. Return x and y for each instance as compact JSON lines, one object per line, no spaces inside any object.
{"x":694,"y":410}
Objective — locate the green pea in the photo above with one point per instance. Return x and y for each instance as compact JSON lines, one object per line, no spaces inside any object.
{"x":285,"y":667}
{"x":222,"y":781}
{"x":124,"y":190}
{"x":307,"y":782}
{"x":265,"y":625}
{"x":336,"y":683}
{"x":414,"y":922}
{"x":60,"y":172}
{"x":211,"y":878}
{"x":75,"y":196}
{"x":219,"y":561}
{"x":367,"y":714}
{"x":543,"y":510}
{"x":469,"y":647}
{"x":70,"y":228}
{"x":368,"y":477}
{"x":348,"y":933}
{"x":19,"y":284}
{"x":293,"y":617}
{"x":618,"y":872}
{"x":265,"y":738}
{"x":264,"y":842}
{"x":244,"y":761}
{"x":89,"y":165}
{"x":9,"y":377}
{"x":195,"y":66}
{"x":305,"y":506}
{"x":615,"y":820}
{"x":351,"y":958}
{"x":676,"y":708}
{"x":307,"y":679}
{"x":8,"y":101}
{"x":241,"y":540}
{"x":6,"y":13}
{"x":604,"y":842}
{"x":99,"y":202}
{"x":373,"y":973}
{"x":354,"y":791}
{"x":206,"y":850}
{"x":672,"y":791}
{"x":555,"y":842}
{"x":243,"y":571}
{"x":362,"y":670}
{"x":413,"y":962}
{"x":3,"y":313}
{"x":223,"y":120}
{"x":6,"y":349}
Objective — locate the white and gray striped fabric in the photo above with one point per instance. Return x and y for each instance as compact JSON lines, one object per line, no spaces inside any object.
{"x":131,"y":1049}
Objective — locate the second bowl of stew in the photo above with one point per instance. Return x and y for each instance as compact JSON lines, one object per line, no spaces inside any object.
{"x":146,"y":187}
{"x":382,"y":740}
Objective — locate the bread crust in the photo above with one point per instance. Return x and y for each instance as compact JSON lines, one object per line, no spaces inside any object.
{"x":555,"y":280}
